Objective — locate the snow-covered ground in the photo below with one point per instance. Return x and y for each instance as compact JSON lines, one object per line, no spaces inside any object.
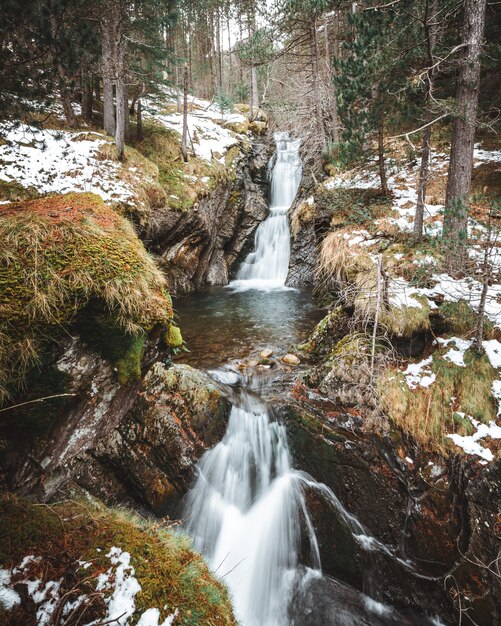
{"x":208,"y":128}
{"x":54,"y":161}
{"x":118,"y":585}
{"x":402,"y":182}
{"x":60,"y":162}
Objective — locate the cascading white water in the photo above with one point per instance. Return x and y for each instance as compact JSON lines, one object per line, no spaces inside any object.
{"x":247,"y":514}
{"x":267,"y":266}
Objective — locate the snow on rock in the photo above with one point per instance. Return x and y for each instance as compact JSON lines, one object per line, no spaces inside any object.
{"x":456,"y":353}
{"x":493,"y":351}
{"x":118,"y":585}
{"x":151,"y":617}
{"x":121,"y":605}
{"x":60,"y":162}
{"x":470,"y":443}
{"x":402,"y":294}
{"x":419,"y":374}
{"x":8,"y":597}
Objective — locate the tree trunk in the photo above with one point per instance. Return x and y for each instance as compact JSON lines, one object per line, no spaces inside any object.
{"x":121,"y":124}
{"x":255,"y":89}
{"x":184,"y":138}
{"x":316,"y":84}
{"x":86,"y":95}
{"x":332,"y":73}
{"x":424,"y":172}
{"x":463,"y":136}
{"x":381,"y":160}
{"x":69,"y":114}
{"x":430,"y":26}
{"x":108,"y":72}
{"x":139,"y":121}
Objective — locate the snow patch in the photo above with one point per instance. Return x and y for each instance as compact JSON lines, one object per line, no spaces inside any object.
{"x":470,"y":443}
{"x":60,"y":162}
{"x":419,"y":374}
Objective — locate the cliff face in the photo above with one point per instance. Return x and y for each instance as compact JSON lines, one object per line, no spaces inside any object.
{"x":201,"y":246}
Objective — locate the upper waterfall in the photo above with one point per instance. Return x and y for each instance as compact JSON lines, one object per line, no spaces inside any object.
{"x":267,"y":266}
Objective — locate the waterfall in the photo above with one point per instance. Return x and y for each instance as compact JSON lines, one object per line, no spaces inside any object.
{"x":267,"y":266}
{"x":247,"y":514}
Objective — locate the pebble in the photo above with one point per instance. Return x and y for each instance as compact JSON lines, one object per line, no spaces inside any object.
{"x":265,"y":354}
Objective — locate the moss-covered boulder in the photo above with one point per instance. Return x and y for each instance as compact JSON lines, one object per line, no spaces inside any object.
{"x":443,"y":406}
{"x":58,"y":255}
{"x":75,"y":560}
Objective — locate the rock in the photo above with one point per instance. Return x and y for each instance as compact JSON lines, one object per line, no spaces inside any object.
{"x":266,"y":362}
{"x":152,"y":454}
{"x":204,"y":246}
{"x":291,"y":359}
{"x":266,"y":353}
{"x":324,"y":600}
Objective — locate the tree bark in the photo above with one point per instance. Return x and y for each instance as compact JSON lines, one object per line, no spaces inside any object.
{"x":139,"y":121}
{"x":86,"y":95}
{"x":121,"y":124}
{"x":430,"y":25}
{"x":184,"y":137}
{"x":316,"y":84}
{"x":463,"y":136}
{"x":381,"y":159}
{"x":107,"y":70}
{"x":69,"y":114}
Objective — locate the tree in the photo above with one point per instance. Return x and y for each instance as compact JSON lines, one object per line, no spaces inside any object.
{"x":463,"y":136}
{"x":430,"y":23}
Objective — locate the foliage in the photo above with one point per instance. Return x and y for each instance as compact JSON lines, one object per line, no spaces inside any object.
{"x":430,"y":413}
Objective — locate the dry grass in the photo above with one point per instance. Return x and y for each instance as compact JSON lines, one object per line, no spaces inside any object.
{"x":353,"y":275}
{"x":430,"y":413}
{"x":57,"y":255}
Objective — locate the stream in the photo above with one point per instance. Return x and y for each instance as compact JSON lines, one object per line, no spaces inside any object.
{"x":247,"y":511}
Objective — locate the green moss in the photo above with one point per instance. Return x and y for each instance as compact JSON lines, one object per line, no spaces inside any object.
{"x":458,"y":318}
{"x":405,"y":321}
{"x":14,"y":191}
{"x":175,"y":339}
{"x":328,"y":330}
{"x":60,"y":253}
{"x":430,"y":413}
{"x":171,"y":575}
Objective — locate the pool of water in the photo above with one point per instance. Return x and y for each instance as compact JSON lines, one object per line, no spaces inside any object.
{"x":220,"y":324}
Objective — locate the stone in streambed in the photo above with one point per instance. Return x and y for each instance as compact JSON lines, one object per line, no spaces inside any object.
{"x":266,"y":353}
{"x":291,"y":359}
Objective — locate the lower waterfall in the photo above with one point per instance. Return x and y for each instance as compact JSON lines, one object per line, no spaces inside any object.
{"x":247,"y":514}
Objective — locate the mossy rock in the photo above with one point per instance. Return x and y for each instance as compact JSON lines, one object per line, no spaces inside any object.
{"x":174,"y":339}
{"x":459,"y":319}
{"x":430,"y":413}
{"x":59,"y":254}
{"x":329,"y":330}
{"x":171,"y":575}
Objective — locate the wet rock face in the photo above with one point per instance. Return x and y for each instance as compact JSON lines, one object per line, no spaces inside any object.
{"x":151,"y":456}
{"x":437,"y":516}
{"x":324,"y":600}
{"x":137,"y":442}
{"x":201,"y":246}
{"x":305,"y":243}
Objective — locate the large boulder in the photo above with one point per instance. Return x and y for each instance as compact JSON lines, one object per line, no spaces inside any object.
{"x":151,"y":456}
